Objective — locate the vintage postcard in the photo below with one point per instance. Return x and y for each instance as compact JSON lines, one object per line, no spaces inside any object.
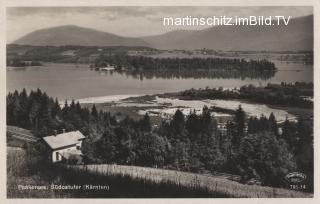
{"x":159,"y":101}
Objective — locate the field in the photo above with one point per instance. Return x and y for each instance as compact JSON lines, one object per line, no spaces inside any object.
{"x":211,"y":185}
{"x":20,"y":172}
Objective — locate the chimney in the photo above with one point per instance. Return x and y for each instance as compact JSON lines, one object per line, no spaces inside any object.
{"x":63,"y":130}
{"x":55,"y":132}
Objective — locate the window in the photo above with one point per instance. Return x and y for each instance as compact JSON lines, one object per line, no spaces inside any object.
{"x":57,"y":156}
{"x":78,"y":147}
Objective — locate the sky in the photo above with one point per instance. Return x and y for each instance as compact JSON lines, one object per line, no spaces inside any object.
{"x":126,"y":21}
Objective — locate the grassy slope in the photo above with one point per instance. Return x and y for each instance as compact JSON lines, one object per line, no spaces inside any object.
{"x":18,"y":173}
{"x":211,"y":184}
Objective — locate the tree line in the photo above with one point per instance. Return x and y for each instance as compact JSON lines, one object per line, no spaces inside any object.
{"x":249,"y":147}
{"x":291,"y":94}
{"x":16,"y":62}
{"x":81,"y":54}
{"x":151,"y":63}
{"x":198,"y":74}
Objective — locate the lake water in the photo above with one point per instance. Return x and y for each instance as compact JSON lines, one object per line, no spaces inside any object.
{"x":68,"y":81}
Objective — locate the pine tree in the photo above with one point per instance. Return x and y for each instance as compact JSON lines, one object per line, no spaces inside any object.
{"x":34,"y":115}
{"x":288,"y":133}
{"x":239,"y":120}
{"x":206,"y":120}
{"x":193,"y":126}
{"x":56,"y":110}
{"x":145,"y":123}
{"x":44,"y":118}
{"x":94,"y":112}
{"x":10,"y":109}
{"x":178,"y":123}
{"x":304,"y":150}
{"x":273,"y":126}
{"x":65,"y":110}
{"x":23,"y":115}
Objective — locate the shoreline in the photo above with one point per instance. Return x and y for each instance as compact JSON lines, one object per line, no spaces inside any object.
{"x":164,"y":105}
{"x":101,"y":99}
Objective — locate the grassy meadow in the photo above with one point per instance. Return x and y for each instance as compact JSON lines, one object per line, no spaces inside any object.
{"x":216,"y":187}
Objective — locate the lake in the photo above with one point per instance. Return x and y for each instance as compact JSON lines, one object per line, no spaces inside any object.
{"x":70,"y":81}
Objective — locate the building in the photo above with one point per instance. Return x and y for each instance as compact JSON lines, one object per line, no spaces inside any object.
{"x":65,"y":145}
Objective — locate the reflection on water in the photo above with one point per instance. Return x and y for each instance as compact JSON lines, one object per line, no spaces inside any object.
{"x":199,"y":74}
{"x":68,"y":81}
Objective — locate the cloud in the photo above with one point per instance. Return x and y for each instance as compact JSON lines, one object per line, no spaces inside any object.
{"x":109,"y":13}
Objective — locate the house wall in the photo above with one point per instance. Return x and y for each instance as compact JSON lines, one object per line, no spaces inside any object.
{"x":80,"y":143}
{"x":60,"y":151}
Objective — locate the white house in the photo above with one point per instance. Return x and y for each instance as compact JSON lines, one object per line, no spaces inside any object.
{"x":64,"y":145}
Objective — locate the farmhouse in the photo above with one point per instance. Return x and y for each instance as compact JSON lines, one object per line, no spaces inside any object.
{"x":65,"y":145}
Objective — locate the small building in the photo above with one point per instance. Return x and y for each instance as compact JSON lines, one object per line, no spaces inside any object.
{"x":107,"y":68}
{"x":65,"y":145}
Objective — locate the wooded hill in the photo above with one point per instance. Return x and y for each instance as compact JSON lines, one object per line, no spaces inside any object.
{"x":251,"y":148}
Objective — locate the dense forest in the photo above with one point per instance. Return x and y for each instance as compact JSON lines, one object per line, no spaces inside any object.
{"x":150,"y":63}
{"x":198,"y":74}
{"x":253,"y":148}
{"x":289,"y":94}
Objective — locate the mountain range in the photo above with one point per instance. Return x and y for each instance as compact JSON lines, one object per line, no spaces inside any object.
{"x":297,"y":35}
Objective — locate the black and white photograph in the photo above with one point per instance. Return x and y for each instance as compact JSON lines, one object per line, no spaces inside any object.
{"x":159,"y":101}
